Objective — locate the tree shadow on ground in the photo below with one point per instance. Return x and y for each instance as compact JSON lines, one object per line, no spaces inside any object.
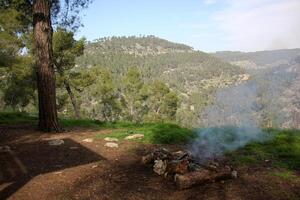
{"x":24,"y":161}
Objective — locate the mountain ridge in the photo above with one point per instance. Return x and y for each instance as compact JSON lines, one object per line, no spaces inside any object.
{"x":259,"y":59}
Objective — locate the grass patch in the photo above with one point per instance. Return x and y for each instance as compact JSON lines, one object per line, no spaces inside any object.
{"x":157,"y":133}
{"x":282,"y":151}
{"x":170,"y":134}
{"x":13,"y":118}
{"x":286,"y":175}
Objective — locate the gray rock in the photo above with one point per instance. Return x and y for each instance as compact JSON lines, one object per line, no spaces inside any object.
{"x":234,"y":174}
{"x":4,"y":148}
{"x":88,"y":140}
{"x":109,"y":139}
{"x":56,"y":142}
{"x":111,"y":145}
{"x":160,"y":167}
{"x":134,"y":136}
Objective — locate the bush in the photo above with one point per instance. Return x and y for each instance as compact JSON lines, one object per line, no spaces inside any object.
{"x":170,"y":134}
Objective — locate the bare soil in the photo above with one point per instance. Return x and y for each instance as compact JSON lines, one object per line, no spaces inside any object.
{"x":80,"y":170}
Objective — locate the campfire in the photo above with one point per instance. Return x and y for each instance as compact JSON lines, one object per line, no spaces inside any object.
{"x":185,"y":170}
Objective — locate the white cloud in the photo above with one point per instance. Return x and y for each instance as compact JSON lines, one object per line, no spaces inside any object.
{"x":251,"y":25}
{"x":208,"y":2}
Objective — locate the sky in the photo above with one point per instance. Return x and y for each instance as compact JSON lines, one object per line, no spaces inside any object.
{"x":206,"y":25}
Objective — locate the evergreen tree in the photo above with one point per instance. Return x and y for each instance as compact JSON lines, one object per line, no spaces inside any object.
{"x":43,"y":13}
{"x":133,"y":98}
{"x":106,"y":97}
{"x":162,"y":103}
{"x":65,"y":51}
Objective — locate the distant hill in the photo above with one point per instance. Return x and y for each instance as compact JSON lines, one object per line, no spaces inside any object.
{"x":195,"y":75}
{"x":259,"y":59}
{"x":276,"y":75}
{"x":178,"y":64}
{"x":148,"y":45}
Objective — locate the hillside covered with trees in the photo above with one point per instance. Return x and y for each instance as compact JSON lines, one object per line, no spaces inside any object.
{"x":139,"y":79}
{"x":192,"y":75}
{"x":276,"y":74}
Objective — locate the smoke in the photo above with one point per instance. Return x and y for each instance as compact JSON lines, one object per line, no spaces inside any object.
{"x":268,"y":99}
{"x":214,"y":142}
{"x":232,"y":122}
{"x":234,"y":106}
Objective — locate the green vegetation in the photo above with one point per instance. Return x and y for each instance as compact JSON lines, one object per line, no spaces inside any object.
{"x":11,"y":118}
{"x":65,"y":50}
{"x":282,"y":151}
{"x":193,"y":76}
{"x":286,"y":175}
{"x":138,"y":79}
{"x":156,"y":133}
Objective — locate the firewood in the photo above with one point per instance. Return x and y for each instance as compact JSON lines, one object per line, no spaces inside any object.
{"x":178,"y":167}
{"x":160,"y":167}
{"x":147,"y":159}
{"x":200,"y":177}
{"x":162,"y":154}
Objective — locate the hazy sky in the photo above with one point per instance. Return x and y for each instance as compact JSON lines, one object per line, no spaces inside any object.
{"x":207,"y":25}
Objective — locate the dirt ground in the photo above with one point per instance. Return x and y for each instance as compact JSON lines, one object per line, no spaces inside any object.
{"x":87,"y":170}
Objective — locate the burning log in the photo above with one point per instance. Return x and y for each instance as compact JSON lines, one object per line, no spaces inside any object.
{"x":200,"y":177}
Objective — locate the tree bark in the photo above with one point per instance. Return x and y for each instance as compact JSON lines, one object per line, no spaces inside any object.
{"x":48,"y":120}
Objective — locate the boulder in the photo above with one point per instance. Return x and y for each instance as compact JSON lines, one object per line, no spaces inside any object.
{"x":56,"y":142}
{"x":88,"y":140}
{"x":111,"y":145}
{"x":160,"y":167}
{"x":109,"y":139}
{"x":134,"y":136}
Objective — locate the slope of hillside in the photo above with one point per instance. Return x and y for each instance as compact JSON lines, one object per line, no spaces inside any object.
{"x":259,"y":59}
{"x":194,"y":75}
{"x":276,"y":76}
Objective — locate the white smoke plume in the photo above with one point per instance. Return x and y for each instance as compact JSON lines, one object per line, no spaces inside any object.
{"x":232,"y":122}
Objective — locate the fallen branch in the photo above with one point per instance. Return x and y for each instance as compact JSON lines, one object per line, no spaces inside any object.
{"x":200,"y":177}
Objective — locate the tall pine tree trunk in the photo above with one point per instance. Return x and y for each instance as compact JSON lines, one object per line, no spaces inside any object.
{"x":43,"y":32}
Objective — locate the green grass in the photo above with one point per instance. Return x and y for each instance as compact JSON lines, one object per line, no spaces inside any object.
{"x":11,"y":118}
{"x":282,"y":151}
{"x":286,"y":175}
{"x":157,"y":133}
